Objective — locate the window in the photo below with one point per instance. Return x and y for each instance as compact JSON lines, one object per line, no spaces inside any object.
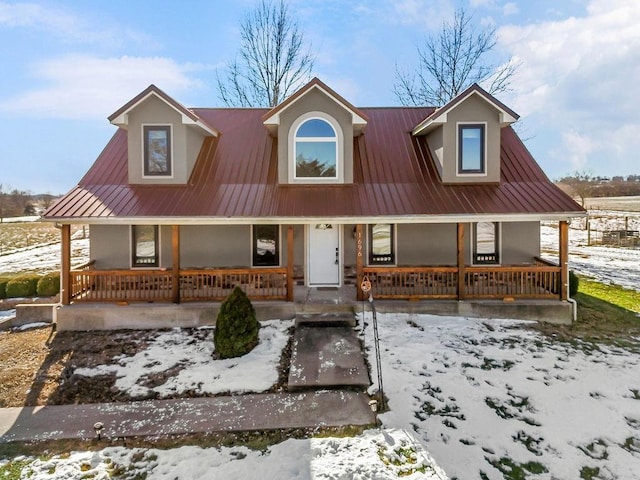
{"x":486,"y":243}
{"x":381,"y":251}
{"x":145,"y":246}
{"x":316,"y":150}
{"x":471,"y":149}
{"x":157,"y":150}
{"x":266,"y":245}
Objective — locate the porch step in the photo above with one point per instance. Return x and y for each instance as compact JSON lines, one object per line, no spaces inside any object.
{"x":326,"y":353}
{"x":332,"y":319}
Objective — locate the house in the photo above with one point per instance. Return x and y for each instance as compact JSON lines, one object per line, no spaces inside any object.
{"x":425,"y":203}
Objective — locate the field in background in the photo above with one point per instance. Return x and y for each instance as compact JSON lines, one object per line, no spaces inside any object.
{"x":620,"y":204}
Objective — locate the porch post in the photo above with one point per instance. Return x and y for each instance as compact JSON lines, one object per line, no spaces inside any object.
{"x":175,"y":271}
{"x":65,"y":270}
{"x":359,"y":262}
{"x":564,"y":259}
{"x":290,"y":263}
{"x":460,"y":261}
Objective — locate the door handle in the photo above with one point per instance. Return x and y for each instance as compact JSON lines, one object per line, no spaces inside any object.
{"x":337,"y":256}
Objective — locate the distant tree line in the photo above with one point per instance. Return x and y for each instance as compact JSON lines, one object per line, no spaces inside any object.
{"x":585,"y":185}
{"x":18,"y":203}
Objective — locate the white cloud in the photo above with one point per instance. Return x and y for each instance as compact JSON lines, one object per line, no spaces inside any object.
{"x":510,"y":8}
{"x":67,"y":25}
{"x":577,"y":74}
{"x":427,"y":13}
{"x":578,"y":147}
{"x":81,"y":86}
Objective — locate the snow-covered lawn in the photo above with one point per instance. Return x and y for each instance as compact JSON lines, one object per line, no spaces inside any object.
{"x":181,"y":361}
{"x":483,"y":397}
{"x":620,"y":266}
{"x":489,"y":396}
{"x":379,"y":455}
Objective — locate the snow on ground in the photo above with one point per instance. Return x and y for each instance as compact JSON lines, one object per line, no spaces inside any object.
{"x":375,"y":454}
{"x":620,"y":266}
{"x":487,"y":396}
{"x":483,"y":397}
{"x":186,"y":360}
{"x":44,"y":258}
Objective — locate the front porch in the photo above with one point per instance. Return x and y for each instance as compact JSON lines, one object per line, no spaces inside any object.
{"x":538,"y":280}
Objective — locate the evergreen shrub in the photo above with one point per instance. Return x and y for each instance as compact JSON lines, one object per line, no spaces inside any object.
{"x":3,"y":287}
{"x":49,"y":285}
{"x":574,"y":283}
{"x":23,"y":286}
{"x":236,"y":332}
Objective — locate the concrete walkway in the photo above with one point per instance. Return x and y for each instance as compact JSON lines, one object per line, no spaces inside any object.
{"x":239,"y":413}
{"x":326,"y":354}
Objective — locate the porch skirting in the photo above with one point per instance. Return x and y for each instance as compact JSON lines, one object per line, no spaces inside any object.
{"x":104,"y":316}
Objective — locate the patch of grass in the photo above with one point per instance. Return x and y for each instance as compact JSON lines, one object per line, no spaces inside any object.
{"x":596,"y":450}
{"x":532,"y":444}
{"x":12,"y":470}
{"x":512,"y":470}
{"x":589,"y":473}
{"x":606,"y":314}
{"x":614,"y":294}
{"x":631,"y":445}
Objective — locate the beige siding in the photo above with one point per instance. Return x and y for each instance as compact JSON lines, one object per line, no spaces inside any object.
{"x":436,"y":147}
{"x":426,"y":244}
{"x":215,"y":246}
{"x":472,"y":110}
{"x":314,"y":101}
{"x":185,"y":143}
{"x":520,"y":242}
{"x":110,"y":246}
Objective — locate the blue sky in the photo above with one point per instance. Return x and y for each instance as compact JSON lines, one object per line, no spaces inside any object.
{"x":66,"y":66}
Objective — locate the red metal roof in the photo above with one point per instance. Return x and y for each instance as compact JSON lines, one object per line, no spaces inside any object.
{"x":235,"y":178}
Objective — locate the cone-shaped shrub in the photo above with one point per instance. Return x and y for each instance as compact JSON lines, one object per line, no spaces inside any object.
{"x":49,"y":285}
{"x":236,"y":332}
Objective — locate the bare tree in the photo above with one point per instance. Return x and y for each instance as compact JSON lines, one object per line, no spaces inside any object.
{"x":273,"y":60}
{"x":452,"y":61}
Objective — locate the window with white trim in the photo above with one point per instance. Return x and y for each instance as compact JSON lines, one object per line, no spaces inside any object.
{"x":157,"y":159}
{"x":486,"y":243}
{"x":145,"y":246}
{"x":315,"y":150}
{"x":471,"y":148}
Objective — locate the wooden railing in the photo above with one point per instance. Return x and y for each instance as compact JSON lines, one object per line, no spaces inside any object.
{"x":515,"y":282}
{"x":527,"y":281}
{"x":413,"y":282}
{"x":195,"y":285}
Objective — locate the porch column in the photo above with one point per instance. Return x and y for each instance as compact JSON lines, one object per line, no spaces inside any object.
{"x":65,"y":270}
{"x":564,"y":259}
{"x":290,"y":263}
{"x":359,"y":262}
{"x":175,"y":271}
{"x":460,"y":261}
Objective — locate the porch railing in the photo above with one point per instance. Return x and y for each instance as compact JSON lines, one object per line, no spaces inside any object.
{"x":526,"y":281}
{"x":413,"y":282}
{"x":195,"y":285}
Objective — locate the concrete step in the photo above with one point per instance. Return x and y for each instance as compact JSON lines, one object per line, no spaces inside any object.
{"x":331,"y":319}
{"x":326,"y":357}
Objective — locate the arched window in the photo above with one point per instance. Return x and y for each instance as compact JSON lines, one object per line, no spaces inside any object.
{"x":316,"y":150}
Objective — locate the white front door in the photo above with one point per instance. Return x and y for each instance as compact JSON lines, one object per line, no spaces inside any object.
{"x":324,"y":259}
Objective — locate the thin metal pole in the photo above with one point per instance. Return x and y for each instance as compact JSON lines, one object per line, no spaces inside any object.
{"x":376,"y":341}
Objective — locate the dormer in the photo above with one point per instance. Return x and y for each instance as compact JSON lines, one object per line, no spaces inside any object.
{"x":464,"y":136}
{"x":163,"y":138}
{"x":315,"y":128}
